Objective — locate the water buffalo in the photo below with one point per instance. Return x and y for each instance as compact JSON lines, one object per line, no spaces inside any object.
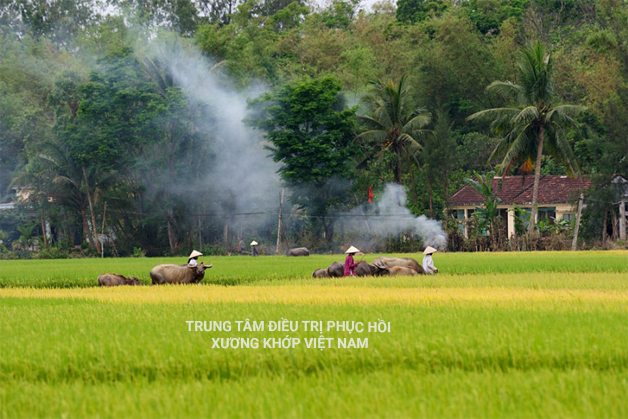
{"x":320,"y":273}
{"x":298,"y":251}
{"x":369,"y":269}
{"x":401,"y":270}
{"x":112,"y":280}
{"x":337,"y":269}
{"x":178,"y":274}
{"x":403,"y":262}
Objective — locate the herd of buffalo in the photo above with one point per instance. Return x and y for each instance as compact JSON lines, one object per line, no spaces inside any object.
{"x":380,"y":266}
{"x":160,"y":274}
{"x":184,"y":274}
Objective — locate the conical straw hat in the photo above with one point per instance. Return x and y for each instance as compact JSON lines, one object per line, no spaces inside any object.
{"x":352,"y":250}
{"x":194,"y":254}
{"x":429,"y":250}
{"x":254,"y":243}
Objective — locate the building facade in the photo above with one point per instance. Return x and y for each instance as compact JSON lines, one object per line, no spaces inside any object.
{"x":557,"y":200}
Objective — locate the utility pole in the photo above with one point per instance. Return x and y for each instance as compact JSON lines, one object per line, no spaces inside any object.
{"x":574,"y":244}
{"x":280,"y":222}
{"x":622,"y":219}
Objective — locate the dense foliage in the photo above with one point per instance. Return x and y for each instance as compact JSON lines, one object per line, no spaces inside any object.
{"x":97,"y":127}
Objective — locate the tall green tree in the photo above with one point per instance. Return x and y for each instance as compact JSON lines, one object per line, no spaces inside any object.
{"x":393,"y":123}
{"x":534,"y":123}
{"x":413,"y":11}
{"x":311,"y":131}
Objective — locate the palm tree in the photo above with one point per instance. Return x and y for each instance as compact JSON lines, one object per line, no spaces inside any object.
{"x":535,"y":124}
{"x":393,"y":123}
{"x":78,"y":187}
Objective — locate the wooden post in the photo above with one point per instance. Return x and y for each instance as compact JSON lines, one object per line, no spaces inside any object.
{"x":280,"y":221}
{"x":622,"y":220}
{"x":574,"y":244}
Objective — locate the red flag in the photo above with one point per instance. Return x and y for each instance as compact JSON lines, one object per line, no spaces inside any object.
{"x":371,"y":195}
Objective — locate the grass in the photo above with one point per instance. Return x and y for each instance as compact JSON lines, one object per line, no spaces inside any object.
{"x":551,"y":341}
{"x":236,"y":270}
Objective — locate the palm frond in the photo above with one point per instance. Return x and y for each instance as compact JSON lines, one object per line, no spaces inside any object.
{"x":408,"y":141}
{"x":505,"y":88}
{"x":419,"y":121}
{"x":374,"y":135}
{"x":527,"y":115}
{"x":490,"y":115}
{"x":563,"y":114}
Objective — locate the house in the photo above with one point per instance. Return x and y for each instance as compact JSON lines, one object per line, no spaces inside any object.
{"x":558,"y":198}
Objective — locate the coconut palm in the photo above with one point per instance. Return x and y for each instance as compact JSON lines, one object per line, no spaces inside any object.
{"x":393,"y":123}
{"x":535,"y":124}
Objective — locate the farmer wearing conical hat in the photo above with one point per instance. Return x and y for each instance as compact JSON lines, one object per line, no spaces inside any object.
{"x":350,"y":265}
{"x":428,"y":263}
{"x":193,"y":259}
{"x":254,"y":248}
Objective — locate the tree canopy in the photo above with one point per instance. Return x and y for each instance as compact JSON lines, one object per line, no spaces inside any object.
{"x":123,"y":119}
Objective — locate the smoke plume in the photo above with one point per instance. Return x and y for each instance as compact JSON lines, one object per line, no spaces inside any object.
{"x":389,"y":216}
{"x":241,"y":173}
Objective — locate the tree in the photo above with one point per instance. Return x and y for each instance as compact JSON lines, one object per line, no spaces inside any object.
{"x":311,"y":131}
{"x":437,"y":159}
{"x":535,"y":124}
{"x":393,"y":122}
{"x":412,"y":11}
{"x":486,"y":215}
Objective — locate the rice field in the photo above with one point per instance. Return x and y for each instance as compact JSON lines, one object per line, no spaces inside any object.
{"x":493,"y":335}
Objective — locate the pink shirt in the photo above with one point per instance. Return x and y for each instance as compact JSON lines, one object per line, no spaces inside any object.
{"x":350,"y":266}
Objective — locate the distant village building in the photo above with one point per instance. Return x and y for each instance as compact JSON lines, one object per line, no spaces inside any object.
{"x":558,"y":198}
{"x":21,"y":194}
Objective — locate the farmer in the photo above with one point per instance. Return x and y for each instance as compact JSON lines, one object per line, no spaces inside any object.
{"x":193,"y":259}
{"x":428,"y":263}
{"x":350,"y":265}
{"x":241,"y":246}
{"x":254,"y":248}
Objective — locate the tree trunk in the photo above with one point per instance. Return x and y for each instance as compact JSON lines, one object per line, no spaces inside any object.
{"x":91,"y":210}
{"x":398,"y":167}
{"x":614,"y":221}
{"x":102,"y":230}
{"x":574,"y":243}
{"x":172,"y":240}
{"x":43,"y":224}
{"x":537,"y":179}
{"x":622,"y":220}
{"x":280,"y":221}
{"x":604,"y":227}
{"x":329,"y":230}
{"x":86,"y":230}
{"x":429,"y":190}
{"x":200,"y":233}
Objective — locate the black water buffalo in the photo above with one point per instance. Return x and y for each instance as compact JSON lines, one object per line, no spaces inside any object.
{"x":337,"y":269}
{"x":370,"y":269}
{"x":298,"y":251}
{"x":178,"y":274}
{"x":113,"y":280}
{"x":403,"y":262}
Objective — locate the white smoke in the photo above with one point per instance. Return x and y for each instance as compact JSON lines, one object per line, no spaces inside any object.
{"x":242,"y":173}
{"x":389,"y":216}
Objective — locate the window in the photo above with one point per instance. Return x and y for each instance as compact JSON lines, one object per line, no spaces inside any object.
{"x":569,"y":217}
{"x":547,"y":214}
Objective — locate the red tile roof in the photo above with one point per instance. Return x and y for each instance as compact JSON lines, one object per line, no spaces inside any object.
{"x":518,"y":190}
